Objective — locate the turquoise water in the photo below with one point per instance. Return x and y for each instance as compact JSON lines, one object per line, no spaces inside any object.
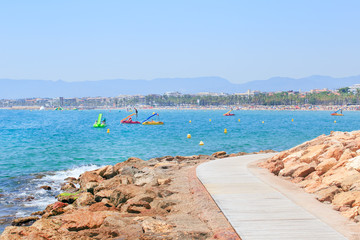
{"x":57,"y":144}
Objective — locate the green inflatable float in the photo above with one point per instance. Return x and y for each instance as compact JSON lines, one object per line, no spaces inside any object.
{"x":100,"y":123}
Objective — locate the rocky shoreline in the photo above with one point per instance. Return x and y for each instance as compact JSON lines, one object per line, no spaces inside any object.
{"x":327,"y":166}
{"x":156,"y":199}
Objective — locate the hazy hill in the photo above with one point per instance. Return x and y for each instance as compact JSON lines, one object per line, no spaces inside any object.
{"x":109,"y":88}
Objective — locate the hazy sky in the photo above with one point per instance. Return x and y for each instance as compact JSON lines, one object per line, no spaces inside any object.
{"x":238,"y":40}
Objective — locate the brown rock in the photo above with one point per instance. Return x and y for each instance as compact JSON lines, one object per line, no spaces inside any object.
{"x":84,"y":199}
{"x":103,"y":194}
{"x":128,"y":228}
{"x":274,"y":167}
{"x":106,"y":172}
{"x":156,"y":226}
{"x":303,"y":171}
{"x":325,"y":165}
{"x":289,"y":169}
{"x":337,"y":176}
{"x":24,"y":221}
{"x":355,"y":186}
{"x":226,"y":234}
{"x":137,"y":207}
{"x":349,"y":180}
{"x":312,"y":153}
{"x":131,"y":162}
{"x":167,"y":166}
{"x":163,"y":181}
{"x":89,"y":177}
{"x":38,"y":213}
{"x":348,"y":154}
{"x":206,"y":157}
{"x":352,"y":212}
{"x":80,"y":220}
{"x":327,"y":194}
{"x":218,"y":154}
{"x":90,"y":187}
{"x":293,"y":157}
{"x":129,"y":171}
{"x":334,"y":152}
{"x":58,"y":205}
{"x":71,"y":180}
{"x":120,"y":196}
{"x":347,"y":199}
{"x":100,"y":206}
{"x":69,"y":187}
{"x":165,"y":193}
{"x":354,"y":163}
{"x":46,"y":187}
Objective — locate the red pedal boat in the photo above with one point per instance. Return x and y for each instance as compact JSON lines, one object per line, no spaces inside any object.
{"x":130,"y":122}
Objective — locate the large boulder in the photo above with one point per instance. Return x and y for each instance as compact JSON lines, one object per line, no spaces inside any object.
{"x":84,"y":199}
{"x":325,"y":165}
{"x":69,"y":187}
{"x":351,"y":199}
{"x":327,"y":194}
{"x":156,"y":226}
{"x":24,"y":221}
{"x":82,"y":219}
{"x":219,"y":154}
{"x":103,"y":194}
{"x":354,"y":163}
{"x":120,"y":195}
{"x":88,"y":177}
{"x":312,"y":153}
{"x":303,"y":171}
{"x":289,"y":169}
{"x":106,"y":172}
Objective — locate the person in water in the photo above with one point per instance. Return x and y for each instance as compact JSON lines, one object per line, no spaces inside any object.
{"x":136,"y":111}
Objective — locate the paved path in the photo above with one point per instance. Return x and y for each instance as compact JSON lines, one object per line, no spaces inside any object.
{"x":255,"y":209}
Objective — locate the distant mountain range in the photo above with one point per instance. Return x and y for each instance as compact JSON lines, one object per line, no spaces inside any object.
{"x":11,"y":89}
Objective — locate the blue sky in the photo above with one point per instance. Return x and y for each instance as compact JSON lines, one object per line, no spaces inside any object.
{"x":238,"y":40}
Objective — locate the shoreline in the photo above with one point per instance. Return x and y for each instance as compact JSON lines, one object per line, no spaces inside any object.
{"x":310,"y":108}
{"x":169,"y":180}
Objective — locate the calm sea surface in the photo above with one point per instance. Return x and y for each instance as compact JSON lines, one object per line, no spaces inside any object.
{"x":44,"y":147}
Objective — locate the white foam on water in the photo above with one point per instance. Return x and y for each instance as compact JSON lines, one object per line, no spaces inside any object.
{"x":59,"y":176}
{"x":21,"y":214}
{"x":42,"y":197}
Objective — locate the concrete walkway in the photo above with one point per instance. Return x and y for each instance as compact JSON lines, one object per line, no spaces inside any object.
{"x":255,"y":209}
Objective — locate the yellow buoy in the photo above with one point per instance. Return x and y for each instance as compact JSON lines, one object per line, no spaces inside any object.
{"x":225,"y":130}
{"x":108,"y":131}
{"x":334,"y":121}
{"x":262,"y":122}
{"x":190,"y":121}
{"x":292,"y":119}
{"x":201,"y":143}
{"x":189,"y":136}
{"x":209,"y":120}
{"x":239,"y":120}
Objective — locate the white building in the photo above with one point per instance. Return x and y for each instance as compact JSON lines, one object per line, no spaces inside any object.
{"x":354,"y":88}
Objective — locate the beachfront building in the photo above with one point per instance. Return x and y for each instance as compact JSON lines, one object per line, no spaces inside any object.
{"x":211,"y":94}
{"x":248,"y":93}
{"x":354,"y":88}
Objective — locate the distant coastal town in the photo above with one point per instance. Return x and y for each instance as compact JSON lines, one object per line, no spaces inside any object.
{"x":347,"y":98}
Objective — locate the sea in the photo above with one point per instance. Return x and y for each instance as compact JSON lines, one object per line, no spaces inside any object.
{"x":44,"y":147}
